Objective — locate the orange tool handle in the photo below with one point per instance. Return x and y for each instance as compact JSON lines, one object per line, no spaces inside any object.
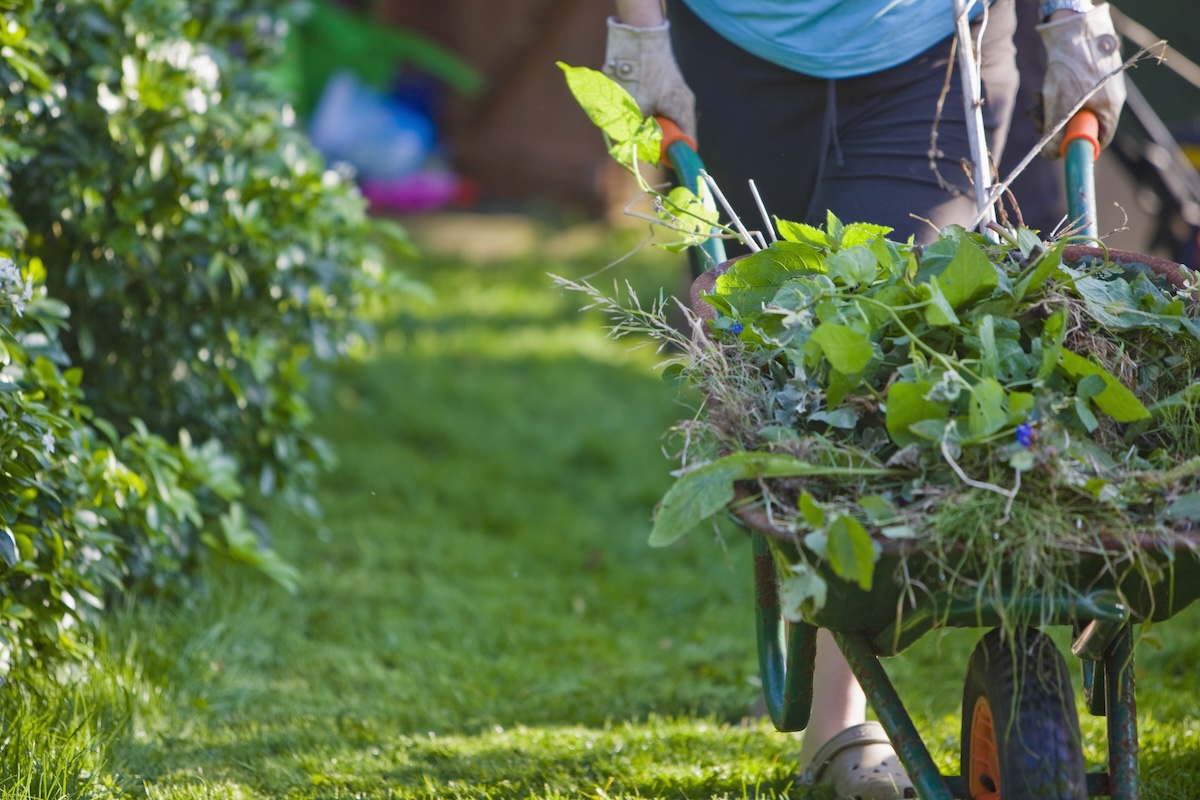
{"x":672,"y":133}
{"x":1084,"y":125}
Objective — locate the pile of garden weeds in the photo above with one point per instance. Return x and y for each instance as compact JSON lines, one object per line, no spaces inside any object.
{"x":996,"y":413}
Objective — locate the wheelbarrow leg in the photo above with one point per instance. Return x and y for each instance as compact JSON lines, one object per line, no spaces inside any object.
{"x":1122,"y":718}
{"x":787,"y":683}
{"x":927,"y":779}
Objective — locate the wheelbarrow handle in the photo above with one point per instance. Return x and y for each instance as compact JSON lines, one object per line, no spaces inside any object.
{"x":1080,"y":149}
{"x":672,"y":134}
{"x":679,"y":153}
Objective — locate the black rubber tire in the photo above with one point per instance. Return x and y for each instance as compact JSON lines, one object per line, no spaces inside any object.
{"x":1024,"y":680}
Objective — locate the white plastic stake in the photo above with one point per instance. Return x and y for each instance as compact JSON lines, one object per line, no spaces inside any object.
{"x":972,"y":86}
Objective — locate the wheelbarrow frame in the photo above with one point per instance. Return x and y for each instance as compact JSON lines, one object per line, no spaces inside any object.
{"x":867,"y":625}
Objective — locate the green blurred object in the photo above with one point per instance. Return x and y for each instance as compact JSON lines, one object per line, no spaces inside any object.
{"x":331,"y":38}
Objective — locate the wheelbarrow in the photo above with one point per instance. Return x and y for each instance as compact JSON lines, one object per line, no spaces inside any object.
{"x":1020,"y":728}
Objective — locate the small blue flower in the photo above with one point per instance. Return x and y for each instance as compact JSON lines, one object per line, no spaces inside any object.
{"x":1025,"y":434}
{"x":736,"y":328}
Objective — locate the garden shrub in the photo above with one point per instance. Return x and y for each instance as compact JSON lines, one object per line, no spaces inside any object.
{"x":206,"y":256}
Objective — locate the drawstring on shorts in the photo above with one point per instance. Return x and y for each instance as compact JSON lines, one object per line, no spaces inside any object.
{"x":829,"y":139}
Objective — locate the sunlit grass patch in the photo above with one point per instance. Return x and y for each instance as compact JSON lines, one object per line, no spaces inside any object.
{"x":480,"y":615}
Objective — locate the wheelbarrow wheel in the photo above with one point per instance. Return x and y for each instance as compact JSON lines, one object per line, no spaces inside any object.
{"x":1020,"y":729}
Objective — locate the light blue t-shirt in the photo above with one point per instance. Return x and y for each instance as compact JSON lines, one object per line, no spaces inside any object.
{"x":831,"y":38}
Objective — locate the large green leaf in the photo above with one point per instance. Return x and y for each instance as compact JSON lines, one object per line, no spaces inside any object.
{"x":1116,"y":400}
{"x":906,"y":406}
{"x":853,"y":266}
{"x":800,"y":233}
{"x":969,"y":274}
{"x":847,"y":350}
{"x":704,"y":491}
{"x":755,"y":279}
{"x":607,"y":104}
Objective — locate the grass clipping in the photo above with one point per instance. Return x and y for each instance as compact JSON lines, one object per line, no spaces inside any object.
{"x":996,"y":415}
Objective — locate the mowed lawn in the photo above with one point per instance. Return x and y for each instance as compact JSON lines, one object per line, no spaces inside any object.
{"x":480,"y":615}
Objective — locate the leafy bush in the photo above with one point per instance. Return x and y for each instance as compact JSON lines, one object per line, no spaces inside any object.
{"x":54,"y":547}
{"x":205,"y":255}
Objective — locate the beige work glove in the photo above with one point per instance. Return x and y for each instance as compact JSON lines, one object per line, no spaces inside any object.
{"x":641,"y":60}
{"x":1080,"y":50}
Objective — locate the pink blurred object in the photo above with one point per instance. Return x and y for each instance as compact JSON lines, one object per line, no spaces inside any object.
{"x":429,"y":190}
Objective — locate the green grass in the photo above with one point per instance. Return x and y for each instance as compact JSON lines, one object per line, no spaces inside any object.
{"x":480,"y":615}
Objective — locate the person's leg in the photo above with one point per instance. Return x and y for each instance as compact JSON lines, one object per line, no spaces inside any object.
{"x":838,"y":700}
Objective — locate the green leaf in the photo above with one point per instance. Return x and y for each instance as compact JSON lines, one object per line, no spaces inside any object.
{"x":812,"y":511}
{"x":1084,"y":411}
{"x":886,"y":253}
{"x":907,"y":406}
{"x":863,"y":233}
{"x":1021,"y":460}
{"x":607,"y":104}
{"x":800,"y":233}
{"x":1090,"y":387}
{"x":839,"y":386}
{"x":29,"y":70}
{"x":1116,"y":400}
{"x":8,"y":547}
{"x":847,"y":350}
{"x":989,"y":356}
{"x":930,"y":430}
{"x":1027,"y":241}
{"x":878,"y":508}
{"x":853,"y":267}
{"x":1185,"y":507}
{"x":845,"y":418}
{"x":834,"y":228}
{"x":969,"y":274}
{"x":940,"y":311}
{"x":1111,"y":302}
{"x":899,"y":532}
{"x":987,"y":414}
{"x":757,"y":278}
{"x":686,"y":208}
{"x":704,"y":491}
{"x":1046,"y":266}
{"x":644,"y":145}
{"x":851,"y":551}
{"x":802,"y":591}
{"x":1019,"y":406}
{"x":1054,"y":331}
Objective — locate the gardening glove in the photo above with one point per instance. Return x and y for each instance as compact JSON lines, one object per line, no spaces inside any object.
{"x":1080,"y":50}
{"x":641,"y":60}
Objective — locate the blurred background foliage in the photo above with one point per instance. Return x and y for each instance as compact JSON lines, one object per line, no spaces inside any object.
{"x":183,"y":253}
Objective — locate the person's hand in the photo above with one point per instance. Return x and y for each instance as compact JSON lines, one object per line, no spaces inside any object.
{"x":641,"y":60}
{"x":1080,"y":50}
